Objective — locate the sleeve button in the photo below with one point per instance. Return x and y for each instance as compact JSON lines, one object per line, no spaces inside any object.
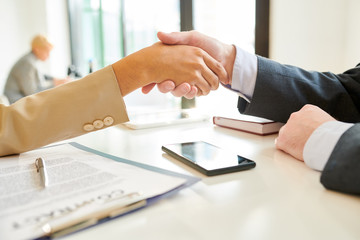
{"x":98,"y":124}
{"x":108,"y":121}
{"x":88,"y":127}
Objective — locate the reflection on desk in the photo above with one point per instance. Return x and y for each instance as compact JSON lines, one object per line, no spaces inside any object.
{"x":162,"y":118}
{"x":281,"y":198}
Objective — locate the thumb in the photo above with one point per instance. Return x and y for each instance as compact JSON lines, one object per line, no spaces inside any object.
{"x":174,"y":38}
{"x":146,"y":89}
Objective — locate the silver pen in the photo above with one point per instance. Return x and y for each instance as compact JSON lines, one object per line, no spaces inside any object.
{"x":40,"y":168}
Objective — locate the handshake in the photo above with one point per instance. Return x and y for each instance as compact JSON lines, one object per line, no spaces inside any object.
{"x":187,"y":64}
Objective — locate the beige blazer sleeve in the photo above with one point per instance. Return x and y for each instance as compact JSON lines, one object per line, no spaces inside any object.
{"x":89,"y":104}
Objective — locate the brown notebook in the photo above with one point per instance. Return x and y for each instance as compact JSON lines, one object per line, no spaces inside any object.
{"x":256,"y":125}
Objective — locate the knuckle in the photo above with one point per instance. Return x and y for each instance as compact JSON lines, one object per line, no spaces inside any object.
{"x":197,"y":66}
{"x":280,"y":143}
{"x":214,"y":83}
{"x":194,"y":32}
{"x":293,"y":115}
{"x":218,"y":66}
{"x":193,"y":36}
{"x":198,"y":52}
{"x":309,"y":107}
{"x":306,"y":107}
{"x":199,"y":76}
{"x":281,"y":130}
{"x":206,"y":91}
{"x":189,"y":96}
{"x":216,"y":86}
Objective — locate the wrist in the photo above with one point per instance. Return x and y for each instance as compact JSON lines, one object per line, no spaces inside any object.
{"x":230,"y":54}
{"x":125,"y":76}
{"x":321,"y":143}
{"x":128,"y":75}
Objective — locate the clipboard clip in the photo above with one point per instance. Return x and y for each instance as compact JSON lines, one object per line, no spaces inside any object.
{"x":55,"y":229}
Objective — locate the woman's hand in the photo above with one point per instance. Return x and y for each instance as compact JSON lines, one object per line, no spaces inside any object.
{"x":160,"y":62}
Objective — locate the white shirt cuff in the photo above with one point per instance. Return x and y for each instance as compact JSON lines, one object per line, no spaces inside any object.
{"x":244,"y":73}
{"x":321,"y":143}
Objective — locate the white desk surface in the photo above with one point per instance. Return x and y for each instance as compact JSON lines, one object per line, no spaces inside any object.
{"x":279,"y":199}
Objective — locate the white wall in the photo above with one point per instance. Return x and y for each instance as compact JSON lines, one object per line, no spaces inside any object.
{"x":318,"y":35}
{"x":352,"y":41}
{"x":21,"y":20}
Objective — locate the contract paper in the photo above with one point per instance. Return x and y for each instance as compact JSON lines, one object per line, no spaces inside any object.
{"x":79,"y":181}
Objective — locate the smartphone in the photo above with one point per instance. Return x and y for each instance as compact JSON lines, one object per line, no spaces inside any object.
{"x":207,"y":158}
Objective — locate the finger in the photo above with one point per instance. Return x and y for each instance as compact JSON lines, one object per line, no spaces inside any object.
{"x":166,"y":86}
{"x":174,"y":37}
{"x":279,"y":141}
{"x":211,"y":79}
{"x":216,"y":68}
{"x":201,"y":92}
{"x":146,"y":89}
{"x":181,"y":90}
{"x":202,"y":85}
{"x":192,"y":93}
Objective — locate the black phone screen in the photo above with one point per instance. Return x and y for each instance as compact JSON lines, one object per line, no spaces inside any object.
{"x":207,"y":158}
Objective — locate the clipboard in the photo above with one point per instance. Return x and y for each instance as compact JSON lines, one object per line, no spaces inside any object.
{"x":92,"y":215}
{"x":124,"y":210}
{"x":190,"y":180}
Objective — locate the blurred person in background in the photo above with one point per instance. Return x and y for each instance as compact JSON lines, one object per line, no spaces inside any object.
{"x":25,"y":77}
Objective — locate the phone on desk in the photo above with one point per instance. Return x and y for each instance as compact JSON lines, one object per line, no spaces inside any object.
{"x":207,"y":158}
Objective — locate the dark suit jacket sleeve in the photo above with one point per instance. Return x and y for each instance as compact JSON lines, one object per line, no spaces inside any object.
{"x":342,"y":171}
{"x":283,"y":89}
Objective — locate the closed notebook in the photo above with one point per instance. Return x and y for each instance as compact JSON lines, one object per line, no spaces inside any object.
{"x":256,"y":125}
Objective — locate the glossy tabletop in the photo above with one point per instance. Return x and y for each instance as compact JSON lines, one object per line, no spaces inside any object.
{"x":281,"y":198}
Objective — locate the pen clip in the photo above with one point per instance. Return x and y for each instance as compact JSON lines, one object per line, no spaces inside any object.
{"x":37,"y":164}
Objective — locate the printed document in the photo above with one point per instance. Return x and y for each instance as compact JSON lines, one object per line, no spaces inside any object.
{"x":78,"y":182}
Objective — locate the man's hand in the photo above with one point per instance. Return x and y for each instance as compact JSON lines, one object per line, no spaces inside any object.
{"x":294,"y":134}
{"x":224,"y":53}
{"x":182,"y":90}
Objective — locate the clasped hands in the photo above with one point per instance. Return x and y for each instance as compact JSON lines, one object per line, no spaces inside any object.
{"x":173,"y":63}
{"x":224,"y":54}
{"x":215,"y":63}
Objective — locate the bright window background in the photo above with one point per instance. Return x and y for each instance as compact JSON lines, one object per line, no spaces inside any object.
{"x":142,"y":20}
{"x":232,"y":22}
{"x":96,"y":33}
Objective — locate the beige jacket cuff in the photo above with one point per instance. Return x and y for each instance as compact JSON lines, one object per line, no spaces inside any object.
{"x":89,"y":104}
